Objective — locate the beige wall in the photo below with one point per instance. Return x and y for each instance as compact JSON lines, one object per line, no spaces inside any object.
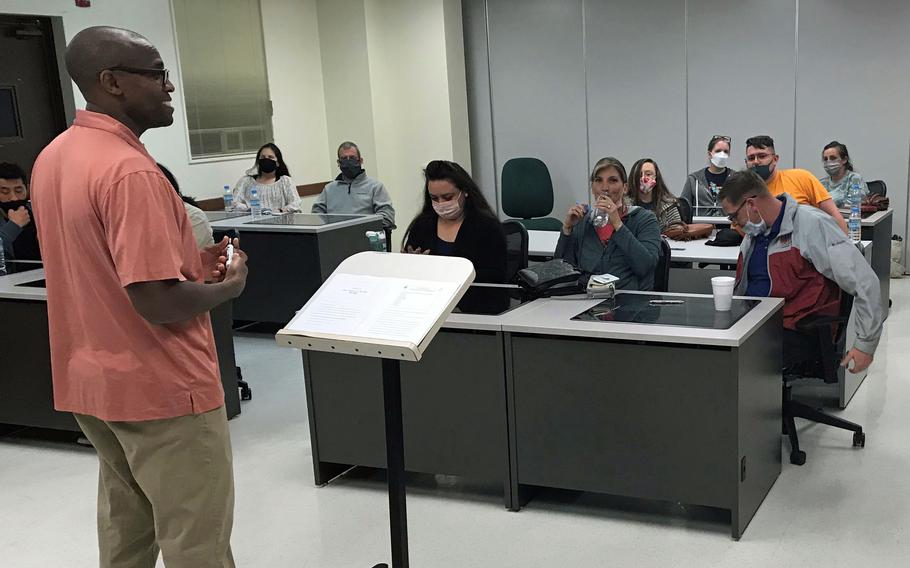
{"x":295,"y":74}
{"x":409,"y":77}
{"x":387,"y":74}
{"x":345,"y":75}
{"x":292,"y":47}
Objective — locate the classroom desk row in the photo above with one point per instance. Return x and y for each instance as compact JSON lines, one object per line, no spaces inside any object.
{"x":26,"y":393}
{"x":678,"y":403}
{"x":695,"y":263}
{"x":290,"y":256}
{"x":875,"y":228}
{"x":542,"y":244}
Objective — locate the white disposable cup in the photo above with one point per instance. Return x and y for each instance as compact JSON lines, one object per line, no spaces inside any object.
{"x":723,"y":292}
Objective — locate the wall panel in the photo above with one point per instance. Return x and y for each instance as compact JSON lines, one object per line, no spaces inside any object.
{"x":636,"y":83}
{"x":741,"y":75}
{"x":538,"y":89}
{"x":853,"y":84}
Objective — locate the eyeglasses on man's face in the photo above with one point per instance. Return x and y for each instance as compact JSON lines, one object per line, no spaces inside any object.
{"x":758,"y":157}
{"x":163,"y":73}
{"x":732,"y":216}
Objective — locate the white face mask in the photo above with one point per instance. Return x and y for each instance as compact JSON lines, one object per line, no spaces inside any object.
{"x":754,"y":229}
{"x":832,"y":166}
{"x":719,"y":159}
{"x":448,"y":209}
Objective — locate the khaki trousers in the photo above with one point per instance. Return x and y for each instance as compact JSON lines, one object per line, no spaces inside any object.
{"x":164,"y":484}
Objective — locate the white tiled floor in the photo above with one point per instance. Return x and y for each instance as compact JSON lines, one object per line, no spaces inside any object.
{"x":844,"y":508}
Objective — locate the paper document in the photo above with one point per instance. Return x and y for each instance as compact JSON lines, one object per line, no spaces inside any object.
{"x":373,"y":308}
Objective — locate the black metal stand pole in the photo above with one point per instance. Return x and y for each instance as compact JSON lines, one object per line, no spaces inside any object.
{"x":394,"y":444}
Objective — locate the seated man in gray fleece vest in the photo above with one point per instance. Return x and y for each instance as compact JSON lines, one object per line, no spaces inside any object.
{"x":353,"y":192}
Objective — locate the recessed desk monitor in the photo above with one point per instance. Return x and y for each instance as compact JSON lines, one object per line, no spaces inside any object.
{"x":16,"y":266}
{"x":492,"y":299}
{"x":215,"y":216}
{"x":302,"y":219}
{"x":693,"y":312}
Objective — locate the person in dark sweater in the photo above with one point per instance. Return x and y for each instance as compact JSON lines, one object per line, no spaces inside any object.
{"x":456,"y":220}
{"x":17,"y":227}
{"x":703,"y":185}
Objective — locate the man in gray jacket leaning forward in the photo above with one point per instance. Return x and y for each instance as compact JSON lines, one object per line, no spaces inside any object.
{"x":796,"y":252}
{"x":353,"y":191}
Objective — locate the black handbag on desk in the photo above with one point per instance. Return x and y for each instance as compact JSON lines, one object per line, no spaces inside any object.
{"x":552,"y":278}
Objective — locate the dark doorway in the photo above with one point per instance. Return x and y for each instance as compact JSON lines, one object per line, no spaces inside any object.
{"x":34,"y":100}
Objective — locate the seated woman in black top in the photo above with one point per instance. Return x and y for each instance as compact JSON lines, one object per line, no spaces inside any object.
{"x":456,"y":220}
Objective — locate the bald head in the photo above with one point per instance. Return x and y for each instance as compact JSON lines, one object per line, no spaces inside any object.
{"x":121,"y":74}
{"x":101,"y":47}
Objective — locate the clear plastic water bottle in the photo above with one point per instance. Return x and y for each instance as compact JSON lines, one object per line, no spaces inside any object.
{"x":377,"y":240}
{"x":255,"y":205}
{"x":854,"y":223}
{"x":2,"y":260}
{"x":599,"y":217}
{"x":228,"y":199}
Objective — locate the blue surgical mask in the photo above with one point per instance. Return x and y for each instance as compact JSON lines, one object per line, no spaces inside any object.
{"x":755,"y":229}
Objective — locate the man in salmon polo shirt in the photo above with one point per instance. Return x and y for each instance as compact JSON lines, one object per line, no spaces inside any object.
{"x":132,"y":351}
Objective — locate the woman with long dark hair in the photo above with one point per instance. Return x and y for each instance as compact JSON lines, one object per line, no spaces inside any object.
{"x":271,"y":178}
{"x":648,"y":190}
{"x":841,"y":175}
{"x":456,"y":220}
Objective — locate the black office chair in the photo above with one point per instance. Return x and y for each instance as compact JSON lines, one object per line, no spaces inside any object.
{"x":877,"y":187}
{"x":516,"y":247}
{"x":822,"y":364}
{"x":685,"y":210}
{"x":662,"y":271}
{"x":388,"y":238}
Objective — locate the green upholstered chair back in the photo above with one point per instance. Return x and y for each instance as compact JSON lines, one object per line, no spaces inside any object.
{"x":541,"y":224}
{"x":527,"y":190}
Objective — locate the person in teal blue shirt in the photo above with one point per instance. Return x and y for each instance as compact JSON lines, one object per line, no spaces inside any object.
{"x":841,"y":175}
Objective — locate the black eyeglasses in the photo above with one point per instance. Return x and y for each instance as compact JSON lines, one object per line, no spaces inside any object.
{"x":732,"y":216}
{"x":164,"y":73}
{"x":720,"y":138}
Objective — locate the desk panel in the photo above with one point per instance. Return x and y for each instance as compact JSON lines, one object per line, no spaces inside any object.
{"x":877,"y":228}
{"x":453,"y":401}
{"x":286,"y":268}
{"x":26,"y":387}
{"x":686,"y":423}
{"x":617,"y":417}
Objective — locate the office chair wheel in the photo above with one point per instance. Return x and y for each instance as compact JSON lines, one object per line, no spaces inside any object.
{"x":859,"y":440}
{"x":246,"y":393}
{"x":798,"y":457}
